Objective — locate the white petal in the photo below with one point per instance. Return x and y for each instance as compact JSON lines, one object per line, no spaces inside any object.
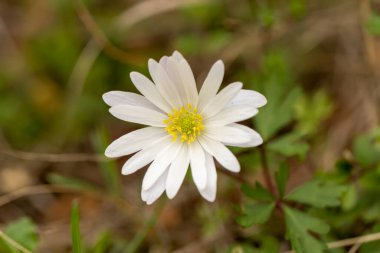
{"x":140,"y":115}
{"x":198,"y":165}
{"x":154,"y":192}
{"x":211,"y":84}
{"x":209,"y":192}
{"x":177,"y":172}
{"x":230,"y":115}
{"x":149,"y":90}
{"x":254,"y":138}
{"x":163,"y":61}
{"x":220,"y":100}
{"x":164,"y":84}
{"x":114,"y":98}
{"x":221,"y":153}
{"x":178,"y":56}
{"x":172,"y":67}
{"x":159,"y":165}
{"x":144,"y":157}
{"x":249,"y":97}
{"x":135,"y":141}
{"x":227,"y":134}
{"x":189,"y":84}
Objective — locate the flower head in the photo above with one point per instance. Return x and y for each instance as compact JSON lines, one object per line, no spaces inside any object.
{"x":184,"y":127}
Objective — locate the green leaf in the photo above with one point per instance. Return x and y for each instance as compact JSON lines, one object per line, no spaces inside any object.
{"x":311,"y":111}
{"x":281,"y":177}
{"x":270,"y":245}
{"x":267,"y":15}
{"x":298,"y":226}
{"x":349,"y":198}
{"x":256,"y":214}
{"x":289,"y":145}
{"x":365,"y":151}
{"x":373,"y":24}
{"x":23,"y":231}
{"x":258,"y":192}
{"x":297,"y":7}
{"x":318,"y":194}
{"x":102,"y":243}
{"x":75,"y":230}
{"x":277,"y":113}
{"x":276,"y":82}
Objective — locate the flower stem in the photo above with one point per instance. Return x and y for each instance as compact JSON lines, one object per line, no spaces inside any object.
{"x":267,"y":176}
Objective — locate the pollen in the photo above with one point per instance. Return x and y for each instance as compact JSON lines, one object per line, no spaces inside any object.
{"x":185,"y":123}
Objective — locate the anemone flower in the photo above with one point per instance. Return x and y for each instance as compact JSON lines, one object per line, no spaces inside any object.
{"x":184,"y":127}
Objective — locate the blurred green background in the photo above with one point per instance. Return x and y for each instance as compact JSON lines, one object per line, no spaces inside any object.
{"x":317,"y":62}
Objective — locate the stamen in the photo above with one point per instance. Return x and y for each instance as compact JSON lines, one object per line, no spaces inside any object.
{"x":185,"y":123}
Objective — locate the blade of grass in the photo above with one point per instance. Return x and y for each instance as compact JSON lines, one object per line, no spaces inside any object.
{"x":108,"y":169}
{"x":138,"y":239}
{"x":75,"y":231}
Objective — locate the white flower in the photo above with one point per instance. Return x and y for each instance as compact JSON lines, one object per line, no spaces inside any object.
{"x":184,"y":127}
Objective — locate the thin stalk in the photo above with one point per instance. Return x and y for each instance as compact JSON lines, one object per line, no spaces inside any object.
{"x":266,"y":172}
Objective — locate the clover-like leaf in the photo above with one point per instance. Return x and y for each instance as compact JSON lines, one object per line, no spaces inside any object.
{"x":258,"y":192}
{"x":256,"y":214}
{"x":298,"y":227}
{"x":23,"y":231}
{"x":289,"y":145}
{"x":365,"y":150}
{"x":282,"y":176}
{"x":318,"y":194}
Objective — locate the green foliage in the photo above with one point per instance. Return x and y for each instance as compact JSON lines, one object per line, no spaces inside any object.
{"x":298,"y":226}
{"x":212,"y":43}
{"x":289,"y":145}
{"x":366,"y":148}
{"x":270,"y":245}
{"x":297,"y":7}
{"x":290,"y":123}
{"x":350,"y":198}
{"x":266,"y":15}
{"x":276,"y":82}
{"x":310,"y":111}
{"x":256,"y":214}
{"x":258,"y":192}
{"x":317,"y":193}
{"x":281,"y":177}
{"x":373,"y":24}
{"x":75,"y":230}
{"x":23,"y":231}
{"x":371,"y":246}
{"x":102,"y":243}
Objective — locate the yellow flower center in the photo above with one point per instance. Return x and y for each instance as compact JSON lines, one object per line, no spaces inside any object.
{"x":185,"y":123}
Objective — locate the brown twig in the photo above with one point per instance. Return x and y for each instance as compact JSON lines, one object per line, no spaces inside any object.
{"x":49,"y":189}
{"x":145,"y":9}
{"x":99,"y":36}
{"x":350,"y":241}
{"x":355,"y":248}
{"x":33,"y":190}
{"x":55,"y":158}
